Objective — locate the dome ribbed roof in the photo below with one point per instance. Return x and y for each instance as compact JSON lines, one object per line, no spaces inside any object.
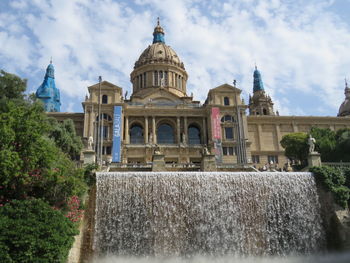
{"x":344,"y":109}
{"x":159,"y":53}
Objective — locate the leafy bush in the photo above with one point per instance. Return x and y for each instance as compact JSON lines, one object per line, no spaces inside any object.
{"x":32,"y":231}
{"x":336,"y":181}
{"x":31,"y":165}
{"x":89,"y":174}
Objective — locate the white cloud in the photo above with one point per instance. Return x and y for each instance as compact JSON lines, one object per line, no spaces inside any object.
{"x":301,"y":48}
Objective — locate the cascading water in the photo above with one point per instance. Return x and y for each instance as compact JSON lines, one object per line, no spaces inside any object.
{"x":207,"y":213}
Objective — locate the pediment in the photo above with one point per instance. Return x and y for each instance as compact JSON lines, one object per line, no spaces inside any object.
{"x":104,"y":85}
{"x":226,"y":88}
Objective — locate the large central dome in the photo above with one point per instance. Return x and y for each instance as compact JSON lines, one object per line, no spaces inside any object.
{"x":158,"y":53}
{"x":158,"y":67}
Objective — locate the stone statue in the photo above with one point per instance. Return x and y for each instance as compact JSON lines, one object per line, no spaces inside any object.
{"x":90,"y":142}
{"x":150,"y":138}
{"x":157,"y":150}
{"x":162,"y":82}
{"x":205,"y":150}
{"x":311,"y":142}
{"x":184,"y":138}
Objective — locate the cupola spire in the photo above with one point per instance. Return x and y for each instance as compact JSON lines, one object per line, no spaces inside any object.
{"x":258,"y":84}
{"x":158,"y":33}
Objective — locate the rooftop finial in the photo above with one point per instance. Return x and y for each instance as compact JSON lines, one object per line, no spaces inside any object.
{"x":51,"y":60}
{"x":256,"y":68}
{"x":158,"y":24}
{"x":346,"y":83}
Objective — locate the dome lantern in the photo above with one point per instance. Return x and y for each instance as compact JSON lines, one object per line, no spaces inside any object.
{"x":158,"y":33}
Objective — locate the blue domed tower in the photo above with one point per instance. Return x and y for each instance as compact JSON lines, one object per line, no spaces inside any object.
{"x":260,"y":103}
{"x":47,"y":91}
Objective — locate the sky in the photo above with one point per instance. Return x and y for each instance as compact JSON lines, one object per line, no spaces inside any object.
{"x":301,"y":47}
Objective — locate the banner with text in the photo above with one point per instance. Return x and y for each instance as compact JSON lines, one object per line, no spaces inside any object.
{"x":216,"y":133}
{"x":117,"y":129}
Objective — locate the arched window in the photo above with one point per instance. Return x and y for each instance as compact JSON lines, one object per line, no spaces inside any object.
{"x":136,"y":134}
{"x":227,"y":118}
{"x":155,"y":80}
{"x":104,"y":99}
{"x":264,"y":112}
{"x":194,"y":135}
{"x":166,"y":78}
{"x":226,"y":101}
{"x":165,"y":134}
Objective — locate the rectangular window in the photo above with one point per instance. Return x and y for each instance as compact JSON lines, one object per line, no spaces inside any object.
{"x":108,"y":150}
{"x":272,"y":158}
{"x":255,"y":159}
{"x":228,"y":150}
{"x":229,"y":133}
{"x":105,"y":132}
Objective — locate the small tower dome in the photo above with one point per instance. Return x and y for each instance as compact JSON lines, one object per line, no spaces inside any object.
{"x":260,"y":103}
{"x":344,"y":109}
{"x":47,"y":91}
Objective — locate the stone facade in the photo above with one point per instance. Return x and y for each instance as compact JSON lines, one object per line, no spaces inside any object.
{"x":160,"y":115}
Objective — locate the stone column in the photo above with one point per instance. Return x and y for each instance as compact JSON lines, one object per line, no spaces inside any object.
{"x":178,"y":130}
{"x":185,"y":129}
{"x":260,"y":136}
{"x":204,"y":136}
{"x":154,"y":129}
{"x":91,"y":122}
{"x":146,"y":129}
{"x":127,"y":140}
{"x":278,"y":137}
{"x":86,"y":123}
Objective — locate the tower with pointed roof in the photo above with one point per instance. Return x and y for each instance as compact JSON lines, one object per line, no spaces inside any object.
{"x":260,"y":103}
{"x":344,"y":109}
{"x":47,"y":91}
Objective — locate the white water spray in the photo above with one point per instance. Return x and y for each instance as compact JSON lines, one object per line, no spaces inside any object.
{"x":188,"y":214}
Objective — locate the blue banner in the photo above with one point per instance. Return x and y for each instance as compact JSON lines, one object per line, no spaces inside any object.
{"x":117,"y":128}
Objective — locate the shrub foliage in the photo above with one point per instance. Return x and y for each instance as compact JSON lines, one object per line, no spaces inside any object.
{"x":336,"y":181}
{"x":32,"y":231}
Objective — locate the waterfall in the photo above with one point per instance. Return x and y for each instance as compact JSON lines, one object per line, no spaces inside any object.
{"x":207,"y":213}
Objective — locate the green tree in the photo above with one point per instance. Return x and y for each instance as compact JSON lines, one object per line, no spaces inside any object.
{"x":11,"y":86}
{"x":326,"y":143}
{"x":343,"y":145}
{"x":64,"y":134}
{"x":295,"y":145}
{"x":32,"y":231}
{"x":31,"y":164}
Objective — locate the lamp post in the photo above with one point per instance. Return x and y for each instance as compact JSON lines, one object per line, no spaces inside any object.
{"x":241,"y":149}
{"x":99,"y":137}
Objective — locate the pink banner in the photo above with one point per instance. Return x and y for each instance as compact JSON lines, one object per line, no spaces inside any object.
{"x":215,"y":123}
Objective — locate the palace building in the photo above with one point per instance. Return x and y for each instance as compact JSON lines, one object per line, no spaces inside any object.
{"x":160,"y":116}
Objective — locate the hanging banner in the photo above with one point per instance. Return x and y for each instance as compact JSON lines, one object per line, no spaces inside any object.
{"x":117,"y":128}
{"x":216,"y":133}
